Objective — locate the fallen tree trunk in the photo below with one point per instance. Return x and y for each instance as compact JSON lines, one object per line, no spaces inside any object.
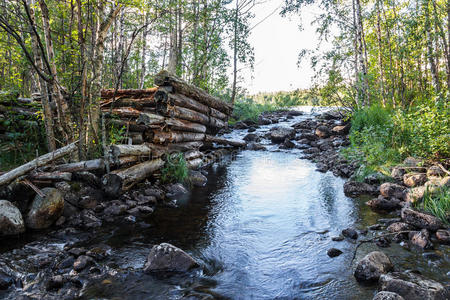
{"x":165,"y":137}
{"x":88,"y":165}
{"x":38,"y":162}
{"x":128,"y":102}
{"x":182,"y":125}
{"x":164,"y":78}
{"x":189,"y":115}
{"x":109,"y":93}
{"x":122,"y":180}
{"x":52,"y":176}
{"x":225,"y":142}
{"x":129,"y":125}
{"x":122,"y":112}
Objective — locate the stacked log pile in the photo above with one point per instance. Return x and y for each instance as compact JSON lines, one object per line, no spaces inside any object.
{"x":174,"y":117}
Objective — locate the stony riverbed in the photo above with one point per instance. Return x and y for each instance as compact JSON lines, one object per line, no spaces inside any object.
{"x":274,"y":221}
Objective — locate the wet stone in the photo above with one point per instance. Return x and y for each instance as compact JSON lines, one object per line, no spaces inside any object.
{"x":333,"y":252}
{"x":54,"y":283}
{"x":372,"y":266}
{"x":338,"y":238}
{"x":350,"y":233}
{"x":5,"y":281}
{"x":82,"y":262}
{"x":443,"y":236}
{"x":387,"y":296}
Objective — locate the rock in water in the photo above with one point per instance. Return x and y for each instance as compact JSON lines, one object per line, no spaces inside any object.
{"x":421,"y":220}
{"x":45,"y":211}
{"x":354,"y":189}
{"x":443,"y":236}
{"x":413,"y":286}
{"x":196,"y":178}
{"x":279,"y":134}
{"x":421,"y":239}
{"x":384,"y":204}
{"x":387,"y":296}
{"x":168,"y":258}
{"x":11,"y":221}
{"x":350,"y":233}
{"x":5,"y":281}
{"x":394,"y":190}
{"x":372,"y":266}
{"x":333,"y":252}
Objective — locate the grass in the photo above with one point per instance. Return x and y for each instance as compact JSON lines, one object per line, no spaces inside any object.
{"x":175,"y":169}
{"x":437,"y":204}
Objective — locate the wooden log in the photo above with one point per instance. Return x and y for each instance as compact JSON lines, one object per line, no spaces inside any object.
{"x":129,"y":125}
{"x":122,"y":180}
{"x":164,"y":78}
{"x":186,"y":146}
{"x":38,"y":162}
{"x":52,"y":176}
{"x":125,"y":160}
{"x":130,"y":150}
{"x":88,"y":165}
{"x":166,"y":137}
{"x":109,"y":93}
{"x":122,"y":112}
{"x":127,"y":102}
{"x":149,"y":119}
{"x":182,"y":125}
{"x":189,"y":115}
{"x":225,"y":142}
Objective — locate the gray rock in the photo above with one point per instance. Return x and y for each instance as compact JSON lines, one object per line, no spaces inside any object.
{"x":322,"y":132}
{"x":288,"y":144}
{"x":354,"y":189}
{"x":176,"y":189}
{"x":392,"y":190}
{"x":251,"y":137}
{"x":443,"y":236}
{"x":375,"y":178}
{"x":384,"y":204}
{"x":372,"y":266}
{"x":333,"y":252}
{"x":255,"y":147}
{"x":421,"y":239}
{"x":279,"y":134}
{"x":387,"y":296}
{"x":435,"y":171}
{"x":341,"y":129}
{"x":398,"y":172}
{"x":350,"y":233}
{"x":421,"y":220}
{"x":413,"y":286}
{"x":399,"y":226}
{"x":337,"y":238}
{"x":11,"y":221}
{"x":82,"y":262}
{"x":45,"y":211}
{"x":168,"y":258}
{"x":196,"y":178}
{"x":5,"y":281}
{"x":157,"y":193}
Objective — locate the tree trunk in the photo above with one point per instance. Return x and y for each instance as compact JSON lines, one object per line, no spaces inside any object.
{"x":430,"y":54}
{"x":235,"y":43}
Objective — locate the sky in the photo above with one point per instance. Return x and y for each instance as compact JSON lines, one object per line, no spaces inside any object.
{"x":277,"y":42}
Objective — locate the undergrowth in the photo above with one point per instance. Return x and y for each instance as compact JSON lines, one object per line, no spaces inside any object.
{"x":175,"y":169}
{"x":437,"y":204}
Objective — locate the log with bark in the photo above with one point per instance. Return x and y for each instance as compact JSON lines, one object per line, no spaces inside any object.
{"x":38,"y":162}
{"x":166,"y":137}
{"x":129,"y":112}
{"x":136,"y":93}
{"x":88,"y":165}
{"x":128,"y":102}
{"x":122,"y":180}
{"x":189,"y":115}
{"x":50,"y":176}
{"x":129,"y":125}
{"x":164,"y":78}
{"x":225,"y":142}
{"x":192,"y":154}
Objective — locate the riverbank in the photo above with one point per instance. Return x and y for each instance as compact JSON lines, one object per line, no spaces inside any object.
{"x":283,"y":224}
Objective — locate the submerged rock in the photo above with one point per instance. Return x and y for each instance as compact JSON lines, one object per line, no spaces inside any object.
{"x":333,"y":252}
{"x":413,"y":286}
{"x":350,"y":233}
{"x":46,"y":210}
{"x":384,"y":204}
{"x":11,"y":221}
{"x":421,"y":239}
{"x":279,"y":134}
{"x":176,"y":189}
{"x":372,"y":266}
{"x":168,"y":258}
{"x":421,"y":220}
{"x":384,"y":295}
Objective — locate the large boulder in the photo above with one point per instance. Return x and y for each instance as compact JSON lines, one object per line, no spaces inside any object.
{"x":196,"y":178}
{"x":413,"y":286}
{"x":372,"y":266}
{"x":280,"y":134}
{"x":392,"y":190}
{"x":11,"y":221}
{"x":414,"y":179}
{"x":387,"y":296}
{"x":354,"y":189}
{"x":341,"y":130}
{"x":168,"y":258}
{"x":415,"y":194}
{"x":421,"y":220}
{"x":45,"y":210}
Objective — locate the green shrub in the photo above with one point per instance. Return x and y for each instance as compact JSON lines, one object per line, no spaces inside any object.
{"x":248,"y":109}
{"x":175,"y":169}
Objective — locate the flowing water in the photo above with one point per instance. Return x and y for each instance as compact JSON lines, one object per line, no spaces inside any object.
{"x":260,"y":229}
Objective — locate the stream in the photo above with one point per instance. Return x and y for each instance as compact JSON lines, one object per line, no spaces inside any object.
{"x":260,"y":229}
